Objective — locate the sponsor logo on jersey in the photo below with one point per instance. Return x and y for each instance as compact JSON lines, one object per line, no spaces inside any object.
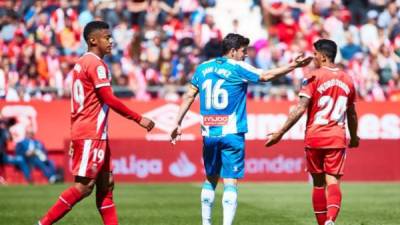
{"x":215,"y":120}
{"x":182,"y":167}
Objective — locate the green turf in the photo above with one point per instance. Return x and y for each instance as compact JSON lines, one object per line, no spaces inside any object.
{"x":178,"y":204}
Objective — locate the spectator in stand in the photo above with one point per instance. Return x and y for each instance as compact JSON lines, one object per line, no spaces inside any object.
{"x":287,"y":28}
{"x":350,"y":48}
{"x":35,"y":156}
{"x":369,"y":31}
{"x":5,"y":158}
{"x":388,"y":18}
{"x":388,"y":71}
{"x":187,"y":31}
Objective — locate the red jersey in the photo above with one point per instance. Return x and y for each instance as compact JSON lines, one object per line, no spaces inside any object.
{"x":88,"y":113}
{"x":331,"y":91}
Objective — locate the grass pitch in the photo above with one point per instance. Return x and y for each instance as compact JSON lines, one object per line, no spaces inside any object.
{"x":179,"y":204}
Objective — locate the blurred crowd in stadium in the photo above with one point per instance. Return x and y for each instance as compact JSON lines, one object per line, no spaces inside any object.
{"x":158,"y":43}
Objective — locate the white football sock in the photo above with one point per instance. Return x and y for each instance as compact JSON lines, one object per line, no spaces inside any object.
{"x":229,"y":203}
{"x":207,"y":202}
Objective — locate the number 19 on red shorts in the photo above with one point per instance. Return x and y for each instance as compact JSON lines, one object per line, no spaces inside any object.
{"x":90,"y":157}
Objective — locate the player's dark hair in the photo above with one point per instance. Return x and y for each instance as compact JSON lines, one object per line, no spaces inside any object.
{"x":326,"y":47}
{"x":93,"y":26}
{"x":234,"y":41}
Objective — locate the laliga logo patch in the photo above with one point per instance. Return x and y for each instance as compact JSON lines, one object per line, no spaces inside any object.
{"x":101,"y":72}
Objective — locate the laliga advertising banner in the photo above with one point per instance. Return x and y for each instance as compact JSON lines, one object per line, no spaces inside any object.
{"x":141,"y":156}
{"x":51,"y":120}
{"x":159,"y":161}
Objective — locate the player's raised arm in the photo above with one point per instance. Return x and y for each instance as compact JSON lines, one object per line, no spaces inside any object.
{"x":294,"y":116}
{"x":352,"y":124}
{"x":299,"y":61}
{"x":188,"y":99}
{"x":106,"y":95}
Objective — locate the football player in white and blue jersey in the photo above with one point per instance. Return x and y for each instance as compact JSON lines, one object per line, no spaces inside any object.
{"x":222,"y":86}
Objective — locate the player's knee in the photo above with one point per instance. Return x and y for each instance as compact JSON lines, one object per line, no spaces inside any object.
{"x":111,"y":186}
{"x":85,"y":188}
{"x":318,"y":180}
{"x":332,"y":179}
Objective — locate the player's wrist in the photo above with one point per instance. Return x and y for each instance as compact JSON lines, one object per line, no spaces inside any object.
{"x":138,"y":118}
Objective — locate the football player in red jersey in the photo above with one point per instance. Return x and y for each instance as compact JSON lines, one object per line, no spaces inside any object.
{"x":91,"y":98}
{"x":328,"y":96}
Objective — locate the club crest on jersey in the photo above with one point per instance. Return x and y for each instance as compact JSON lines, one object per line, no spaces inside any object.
{"x":101,"y":72}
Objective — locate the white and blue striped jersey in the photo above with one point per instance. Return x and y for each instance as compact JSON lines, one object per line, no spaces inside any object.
{"x":222,"y":85}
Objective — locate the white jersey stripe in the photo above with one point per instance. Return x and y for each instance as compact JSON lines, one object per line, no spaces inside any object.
{"x":85,"y":158}
{"x":205,"y":130}
{"x":246,"y":66}
{"x":231,"y":127}
{"x":101,"y":120}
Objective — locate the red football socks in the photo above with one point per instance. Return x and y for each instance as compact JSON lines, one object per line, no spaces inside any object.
{"x":334,"y":199}
{"x":106,"y":207}
{"x":319,"y":204}
{"x":63,"y":205}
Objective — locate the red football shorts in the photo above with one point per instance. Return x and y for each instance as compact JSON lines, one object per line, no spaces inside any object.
{"x":90,"y":157}
{"x":330,"y":161}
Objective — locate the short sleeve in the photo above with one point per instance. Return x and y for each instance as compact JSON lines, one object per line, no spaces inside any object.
{"x":247,"y":72}
{"x":307,"y":87}
{"x":195,"y":79}
{"x":98,"y":73}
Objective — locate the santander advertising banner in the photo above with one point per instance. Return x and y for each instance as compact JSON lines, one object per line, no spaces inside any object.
{"x":142,"y":157}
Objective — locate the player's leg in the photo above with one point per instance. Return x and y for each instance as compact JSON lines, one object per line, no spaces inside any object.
{"x":82,"y":188}
{"x":104,"y":198}
{"x":84,"y":167}
{"x":319,"y":197}
{"x":207,"y":198}
{"x":334,"y":166}
{"x":334,"y":197}
{"x":229,"y":200}
{"x":104,"y":191}
{"x":315,"y":166}
{"x":232,"y":155}
{"x":212,"y":166}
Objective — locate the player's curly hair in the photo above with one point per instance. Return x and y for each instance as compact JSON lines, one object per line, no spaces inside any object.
{"x":93,"y":26}
{"x":326,"y":47}
{"x":234,"y":41}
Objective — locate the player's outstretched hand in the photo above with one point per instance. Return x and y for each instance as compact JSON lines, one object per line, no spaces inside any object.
{"x":302,"y":60}
{"x":146,"y":123}
{"x":175,"y":135}
{"x":354,"y":142}
{"x":273,"y":138}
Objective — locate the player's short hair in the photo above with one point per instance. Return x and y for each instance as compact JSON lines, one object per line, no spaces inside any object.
{"x":234,"y":41}
{"x":326,"y":47}
{"x":93,"y":26}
